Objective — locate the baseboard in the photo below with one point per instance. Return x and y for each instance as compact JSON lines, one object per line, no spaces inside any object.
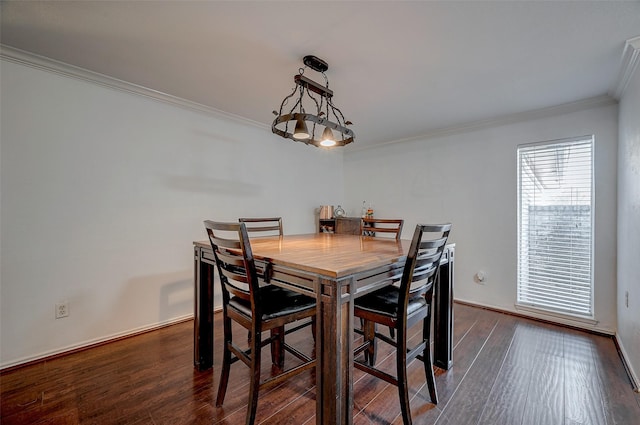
{"x":541,"y":318}
{"x":635,"y":382}
{"x":85,"y":345}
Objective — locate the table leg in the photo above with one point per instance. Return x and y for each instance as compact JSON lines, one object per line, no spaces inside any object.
{"x":203,"y":312}
{"x":443,"y":314}
{"x":334,"y":394}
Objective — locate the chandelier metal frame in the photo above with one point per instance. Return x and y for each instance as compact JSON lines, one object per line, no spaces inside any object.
{"x":319,"y":100}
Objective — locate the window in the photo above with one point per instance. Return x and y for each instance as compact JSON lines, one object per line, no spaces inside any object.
{"x":555,"y":226}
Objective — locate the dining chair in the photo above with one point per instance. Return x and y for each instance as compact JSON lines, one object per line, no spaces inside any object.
{"x":378,"y":226}
{"x":256,"y":308}
{"x":382,"y":227}
{"x":266,"y":226}
{"x":401,"y":307}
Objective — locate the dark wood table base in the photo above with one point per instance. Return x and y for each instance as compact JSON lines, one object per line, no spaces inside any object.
{"x":335,"y":270}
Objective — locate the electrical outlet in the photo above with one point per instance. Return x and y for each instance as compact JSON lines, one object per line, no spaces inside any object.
{"x":480,"y":277}
{"x":62,"y":309}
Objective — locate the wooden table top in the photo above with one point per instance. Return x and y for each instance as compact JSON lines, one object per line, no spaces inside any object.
{"x":331,"y":255}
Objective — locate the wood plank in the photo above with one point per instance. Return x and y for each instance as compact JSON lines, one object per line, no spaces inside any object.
{"x":508,"y":397}
{"x":374,"y":399}
{"x":472,"y":328}
{"x":620,"y":405}
{"x":582,"y":395}
{"x":545,"y":395}
{"x":468,"y":401}
{"x":500,"y":360}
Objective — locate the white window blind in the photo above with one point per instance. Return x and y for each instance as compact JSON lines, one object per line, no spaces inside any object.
{"x":555,"y":216}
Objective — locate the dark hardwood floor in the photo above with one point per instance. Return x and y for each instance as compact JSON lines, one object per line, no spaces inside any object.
{"x":507,"y":370}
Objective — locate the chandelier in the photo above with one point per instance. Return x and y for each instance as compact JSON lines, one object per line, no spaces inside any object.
{"x":313,"y":119}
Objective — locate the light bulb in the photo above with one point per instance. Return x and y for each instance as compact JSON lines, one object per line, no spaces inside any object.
{"x":301,"y":132}
{"x":327,"y":138}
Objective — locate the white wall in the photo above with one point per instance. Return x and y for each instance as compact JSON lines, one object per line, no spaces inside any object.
{"x":103,"y":193}
{"x":470,"y":179}
{"x":629,"y":223}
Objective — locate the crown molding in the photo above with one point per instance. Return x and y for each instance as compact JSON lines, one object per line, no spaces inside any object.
{"x":631,"y":54}
{"x":565,"y":108}
{"x":628,"y":65}
{"x":44,"y":63}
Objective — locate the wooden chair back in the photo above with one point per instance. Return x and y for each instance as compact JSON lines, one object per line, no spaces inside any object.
{"x":381,"y":226}
{"x":234,"y":260}
{"x":265,"y":226}
{"x":423,"y":261}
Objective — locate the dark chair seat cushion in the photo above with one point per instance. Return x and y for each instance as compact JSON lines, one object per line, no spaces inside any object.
{"x":385,"y":302}
{"x":275,"y":302}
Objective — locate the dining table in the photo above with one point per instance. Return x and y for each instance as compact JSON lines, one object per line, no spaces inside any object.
{"x":335,"y":269}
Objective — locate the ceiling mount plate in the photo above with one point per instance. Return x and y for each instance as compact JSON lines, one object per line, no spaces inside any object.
{"x":315,"y":63}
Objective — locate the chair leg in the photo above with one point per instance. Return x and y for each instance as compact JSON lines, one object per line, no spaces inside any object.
{"x":254,"y":385}
{"x":313,"y":328}
{"x":226,"y":362}
{"x":426,"y":359}
{"x":369,"y":328}
{"x":403,"y":384}
{"x":277,"y":347}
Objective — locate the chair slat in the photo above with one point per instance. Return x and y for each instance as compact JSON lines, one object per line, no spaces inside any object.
{"x":430,"y":244}
{"x":263,"y":225}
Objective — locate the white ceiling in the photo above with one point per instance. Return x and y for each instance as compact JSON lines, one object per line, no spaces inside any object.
{"x":398,"y":69}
